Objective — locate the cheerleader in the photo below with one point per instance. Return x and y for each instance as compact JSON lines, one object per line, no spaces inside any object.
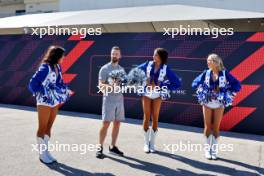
{"x":50,"y":91}
{"x":216,"y":89}
{"x":160,"y":80}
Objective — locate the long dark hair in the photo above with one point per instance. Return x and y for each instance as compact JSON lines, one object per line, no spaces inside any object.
{"x":163,"y":54}
{"x":53,"y":55}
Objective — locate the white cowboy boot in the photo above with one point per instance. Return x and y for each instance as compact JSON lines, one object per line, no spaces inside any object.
{"x":42,"y":147}
{"x":46,"y":139}
{"x":146,"y":141}
{"x":214,"y":148}
{"x":152,"y":140}
{"x":207,"y":149}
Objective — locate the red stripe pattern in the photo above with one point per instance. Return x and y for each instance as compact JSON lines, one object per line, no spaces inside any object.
{"x":73,"y":56}
{"x":242,"y":71}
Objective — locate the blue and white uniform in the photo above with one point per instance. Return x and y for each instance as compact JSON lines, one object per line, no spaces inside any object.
{"x":164,"y":76}
{"x":218,"y":93}
{"x":49,"y":88}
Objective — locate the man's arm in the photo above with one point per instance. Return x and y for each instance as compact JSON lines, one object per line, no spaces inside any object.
{"x":103,"y":86}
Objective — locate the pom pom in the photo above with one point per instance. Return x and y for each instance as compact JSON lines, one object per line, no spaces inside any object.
{"x":49,"y":95}
{"x":226,"y":98}
{"x":203,"y":94}
{"x":62,"y":94}
{"x":136,"y":77}
{"x":165,"y":92}
{"x":117,"y":76}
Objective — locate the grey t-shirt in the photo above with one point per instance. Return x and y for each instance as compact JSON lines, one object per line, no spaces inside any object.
{"x":104,"y":75}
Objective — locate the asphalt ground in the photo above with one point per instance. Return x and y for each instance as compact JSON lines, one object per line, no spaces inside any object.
{"x":79,"y":132}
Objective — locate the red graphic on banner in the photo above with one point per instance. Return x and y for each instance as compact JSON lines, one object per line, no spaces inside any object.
{"x":242,"y":71}
{"x":246,"y":90}
{"x":73,"y":56}
{"x":234,"y":116}
{"x":257,"y":37}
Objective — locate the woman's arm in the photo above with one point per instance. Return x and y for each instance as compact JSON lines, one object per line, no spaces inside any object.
{"x":143,"y":66}
{"x":234,"y":84}
{"x":61,"y":81}
{"x":198,"y":80}
{"x":174,"y":80}
{"x":35,"y":83}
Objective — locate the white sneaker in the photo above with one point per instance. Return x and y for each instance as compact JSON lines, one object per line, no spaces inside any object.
{"x":46,"y":139}
{"x":152,"y":140}
{"x":146,"y":141}
{"x":214,"y":148}
{"x":207,"y":149}
{"x":42,"y":147}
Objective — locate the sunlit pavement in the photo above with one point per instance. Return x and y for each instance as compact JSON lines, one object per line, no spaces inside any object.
{"x":18,"y":157}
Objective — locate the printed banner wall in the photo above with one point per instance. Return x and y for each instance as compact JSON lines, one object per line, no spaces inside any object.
{"x":242,"y":53}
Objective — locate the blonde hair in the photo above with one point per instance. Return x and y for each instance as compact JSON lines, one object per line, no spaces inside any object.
{"x":217,"y":60}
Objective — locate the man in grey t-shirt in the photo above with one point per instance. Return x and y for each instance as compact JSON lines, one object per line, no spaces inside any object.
{"x":113,"y":104}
